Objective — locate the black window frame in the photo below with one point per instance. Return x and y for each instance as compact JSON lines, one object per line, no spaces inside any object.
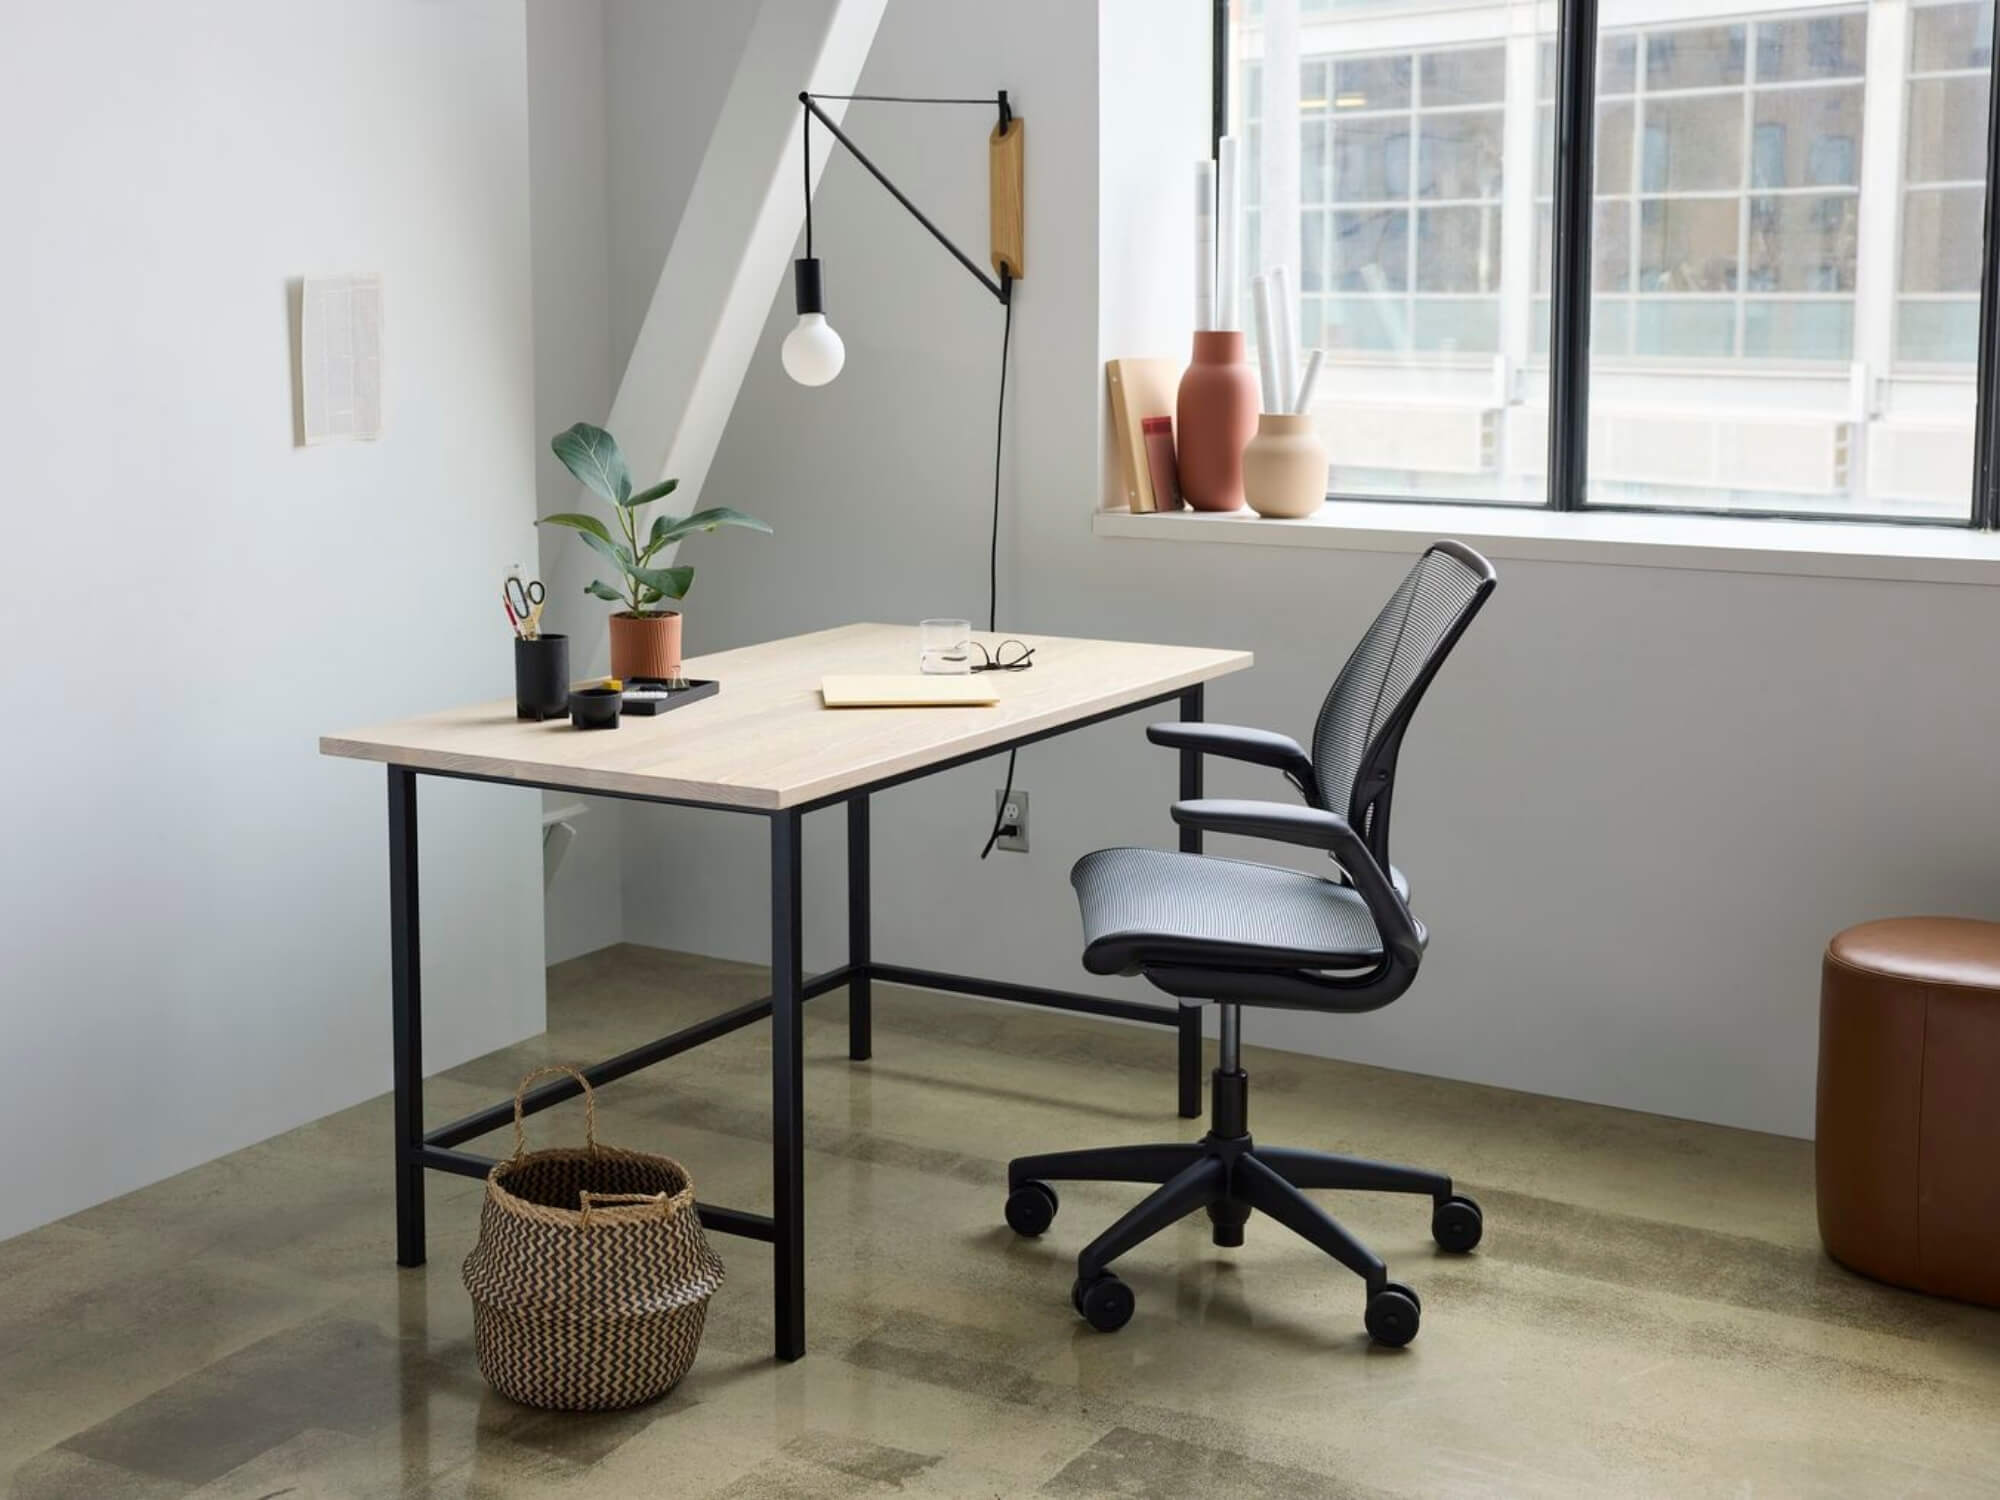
{"x":1570,"y":298}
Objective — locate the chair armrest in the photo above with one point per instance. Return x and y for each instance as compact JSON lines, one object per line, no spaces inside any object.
{"x":1260,"y":747}
{"x":1314,"y":829}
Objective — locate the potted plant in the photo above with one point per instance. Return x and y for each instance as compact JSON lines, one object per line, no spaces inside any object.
{"x":645,"y":636}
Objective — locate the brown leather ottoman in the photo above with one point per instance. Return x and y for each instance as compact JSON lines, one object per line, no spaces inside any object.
{"x":1908,"y":1147}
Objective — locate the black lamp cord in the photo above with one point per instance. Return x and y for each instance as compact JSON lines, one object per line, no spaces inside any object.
{"x":993,"y":559}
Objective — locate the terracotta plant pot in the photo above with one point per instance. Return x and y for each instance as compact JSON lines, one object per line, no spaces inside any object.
{"x":1215,"y":416}
{"x":1284,"y":467}
{"x":645,"y":645}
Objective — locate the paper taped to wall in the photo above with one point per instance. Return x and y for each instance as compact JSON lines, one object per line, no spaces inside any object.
{"x":340,"y":358}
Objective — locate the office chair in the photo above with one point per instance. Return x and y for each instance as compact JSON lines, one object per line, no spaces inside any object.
{"x":1236,"y":934}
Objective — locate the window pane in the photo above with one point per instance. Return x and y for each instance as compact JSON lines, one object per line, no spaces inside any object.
{"x":1753,"y":243}
{"x":1687,"y":244}
{"x":1611,"y":254}
{"x":1806,"y":138}
{"x":1803,"y":244}
{"x":1698,"y":58}
{"x":1315,"y":174}
{"x":1684,"y":330}
{"x":1409,"y":224}
{"x":1372,"y":83}
{"x":1458,"y":155}
{"x":1941,"y":239}
{"x":1371,"y":159}
{"x":1614,"y":148}
{"x":1617,"y":64}
{"x":1458,"y":250}
{"x":1947,"y":130}
{"x":1690,"y":145}
{"x":1610,"y":328}
{"x":1468,"y":326}
{"x":1798,"y":330}
{"x":1371,"y":250}
{"x":1312,"y":252}
{"x":1814,"y":47}
{"x":1938,"y":333}
{"x":1365,"y":323}
{"x":1477,"y":75}
{"x":1951,"y":36}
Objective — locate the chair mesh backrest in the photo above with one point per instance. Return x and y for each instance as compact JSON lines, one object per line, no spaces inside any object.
{"x":1360,"y":722}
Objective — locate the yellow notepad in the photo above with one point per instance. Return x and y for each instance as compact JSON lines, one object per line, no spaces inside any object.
{"x":905,"y":690}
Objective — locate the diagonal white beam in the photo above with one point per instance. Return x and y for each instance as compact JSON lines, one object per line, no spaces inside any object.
{"x":733,"y":247}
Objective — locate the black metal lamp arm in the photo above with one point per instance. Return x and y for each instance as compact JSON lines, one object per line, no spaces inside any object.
{"x":1001,"y":289}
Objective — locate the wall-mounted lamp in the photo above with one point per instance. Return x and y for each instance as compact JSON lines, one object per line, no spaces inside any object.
{"x":813,"y":353}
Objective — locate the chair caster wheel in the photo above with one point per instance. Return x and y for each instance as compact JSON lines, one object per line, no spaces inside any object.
{"x":1031,"y":1208}
{"x":1393,"y":1314}
{"x":1456,"y":1225}
{"x":1104,"y":1302}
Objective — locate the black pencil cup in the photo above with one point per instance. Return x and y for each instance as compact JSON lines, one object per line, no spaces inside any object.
{"x":541,"y":677}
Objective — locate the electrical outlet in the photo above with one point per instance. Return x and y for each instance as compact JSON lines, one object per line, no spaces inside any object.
{"x":1013,"y":815}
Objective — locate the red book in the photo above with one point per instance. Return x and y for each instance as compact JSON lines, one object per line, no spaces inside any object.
{"x":1159,"y":439}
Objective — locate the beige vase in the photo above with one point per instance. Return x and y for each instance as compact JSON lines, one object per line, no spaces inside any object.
{"x":646,"y":645}
{"x":1284,"y":467}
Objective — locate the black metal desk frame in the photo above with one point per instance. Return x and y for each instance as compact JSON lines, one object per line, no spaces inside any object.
{"x":418,"y":1150}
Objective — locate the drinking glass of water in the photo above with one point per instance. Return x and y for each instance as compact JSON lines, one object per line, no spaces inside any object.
{"x":947,"y":647}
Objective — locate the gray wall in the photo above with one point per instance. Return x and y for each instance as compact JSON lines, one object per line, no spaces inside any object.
{"x":624,"y":92}
{"x":193,"y":934}
{"x":1635,"y":807}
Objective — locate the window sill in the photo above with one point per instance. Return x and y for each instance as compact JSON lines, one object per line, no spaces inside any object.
{"x":1722,"y":544}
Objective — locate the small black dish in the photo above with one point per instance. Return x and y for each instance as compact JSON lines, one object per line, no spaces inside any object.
{"x":595,"y":708}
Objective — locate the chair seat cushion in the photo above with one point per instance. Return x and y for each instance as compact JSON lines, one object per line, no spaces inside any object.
{"x":1148,"y":906}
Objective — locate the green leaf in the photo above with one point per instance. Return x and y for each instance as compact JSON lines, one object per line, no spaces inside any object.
{"x":673,"y":528}
{"x":669,"y":583}
{"x":618,"y":552}
{"x":658,"y":492}
{"x":592,"y":455}
{"x":588,"y":525}
{"x":603,"y":591}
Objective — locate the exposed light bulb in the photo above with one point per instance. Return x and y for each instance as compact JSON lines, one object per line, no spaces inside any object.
{"x":813,"y":352}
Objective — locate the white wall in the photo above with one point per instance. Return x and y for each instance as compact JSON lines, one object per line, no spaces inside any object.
{"x":194,"y":931}
{"x":1635,"y":806}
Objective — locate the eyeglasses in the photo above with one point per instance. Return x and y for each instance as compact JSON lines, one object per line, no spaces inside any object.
{"x":1009,"y":656}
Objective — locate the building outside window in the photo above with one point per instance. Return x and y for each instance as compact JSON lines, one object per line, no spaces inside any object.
{"x":1785,"y":263}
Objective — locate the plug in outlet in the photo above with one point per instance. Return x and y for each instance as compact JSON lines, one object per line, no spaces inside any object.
{"x":1013,"y":815}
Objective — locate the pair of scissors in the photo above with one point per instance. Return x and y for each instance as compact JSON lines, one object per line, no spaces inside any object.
{"x":524,"y":599}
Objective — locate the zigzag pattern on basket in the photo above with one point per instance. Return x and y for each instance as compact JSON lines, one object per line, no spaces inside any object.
{"x":595,"y":1305}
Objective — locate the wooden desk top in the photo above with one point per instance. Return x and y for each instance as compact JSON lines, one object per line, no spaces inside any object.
{"x":765,"y":741}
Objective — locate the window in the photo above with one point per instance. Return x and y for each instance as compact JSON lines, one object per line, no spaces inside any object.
{"x":1944,"y":189}
{"x":1404,"y":242}
{"x":1786,"y":256}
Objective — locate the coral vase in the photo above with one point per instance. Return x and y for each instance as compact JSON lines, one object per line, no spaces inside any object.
{"x":646,"y":645}
{"x":1216,"y":415}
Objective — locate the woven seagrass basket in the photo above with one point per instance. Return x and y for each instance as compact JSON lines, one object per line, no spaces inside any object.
{"x":591,"y":1277}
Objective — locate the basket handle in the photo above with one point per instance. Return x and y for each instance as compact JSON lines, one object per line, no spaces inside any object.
{"x":587,"y":1200}
{"x":589,"y":1108}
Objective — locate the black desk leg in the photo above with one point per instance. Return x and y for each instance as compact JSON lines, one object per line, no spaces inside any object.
{"x":860,"y":900}
{"x":406,"y":1015}
{"x":1190,"y":1018}
{"x":788,"y":1201}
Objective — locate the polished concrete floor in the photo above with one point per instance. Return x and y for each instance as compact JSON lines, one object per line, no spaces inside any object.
{"x":1649,"y":1315}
